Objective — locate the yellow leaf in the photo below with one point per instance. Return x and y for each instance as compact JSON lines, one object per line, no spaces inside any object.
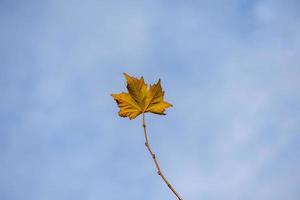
{"x":140,"y":98}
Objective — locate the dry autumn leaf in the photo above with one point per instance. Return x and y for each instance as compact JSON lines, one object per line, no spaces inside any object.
{"x":140,"y":98}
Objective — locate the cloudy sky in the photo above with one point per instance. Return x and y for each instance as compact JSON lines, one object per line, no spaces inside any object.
{"x":231,"y":68}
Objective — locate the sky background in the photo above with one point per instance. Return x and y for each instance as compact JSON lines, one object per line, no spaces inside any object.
{"x":231,"y":68}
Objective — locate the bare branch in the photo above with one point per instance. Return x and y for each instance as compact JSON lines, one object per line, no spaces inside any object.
{"x":159,"y":172}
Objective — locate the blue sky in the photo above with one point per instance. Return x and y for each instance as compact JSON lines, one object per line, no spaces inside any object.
{"x":230,"y":68}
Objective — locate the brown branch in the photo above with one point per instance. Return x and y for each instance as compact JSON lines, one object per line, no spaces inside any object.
{"x":159,"y":172}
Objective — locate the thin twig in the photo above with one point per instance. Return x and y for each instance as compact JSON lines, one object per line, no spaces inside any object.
{"x":159,"y":172}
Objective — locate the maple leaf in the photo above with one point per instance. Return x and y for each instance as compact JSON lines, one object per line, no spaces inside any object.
{"x":140,"y":98}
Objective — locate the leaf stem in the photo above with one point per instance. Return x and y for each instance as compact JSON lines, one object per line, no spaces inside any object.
{"x":159,"y":172}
